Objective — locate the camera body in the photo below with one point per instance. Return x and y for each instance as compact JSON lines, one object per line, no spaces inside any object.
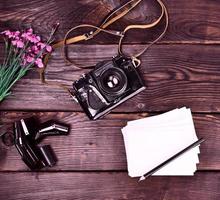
{"x":110,"y":83}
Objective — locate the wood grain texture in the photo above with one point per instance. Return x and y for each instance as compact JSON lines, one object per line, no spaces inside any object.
{"x":175,"y":75}
{"x":92,"y":160}
{"x":99,"y":145}
{"x":107,"y":186}
{"x":194,"y":21}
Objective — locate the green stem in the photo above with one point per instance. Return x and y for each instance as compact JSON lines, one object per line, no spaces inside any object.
{"x":9,"y":76}
{"x":6,"y":51}
{"x":21,"y":73}
{"x":8,"y":55}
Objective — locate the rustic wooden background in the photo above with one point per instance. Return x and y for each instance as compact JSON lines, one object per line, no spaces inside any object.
{"x":181,"y":70}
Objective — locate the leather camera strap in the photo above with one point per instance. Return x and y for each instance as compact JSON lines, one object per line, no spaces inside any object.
{"x":110,"y":19}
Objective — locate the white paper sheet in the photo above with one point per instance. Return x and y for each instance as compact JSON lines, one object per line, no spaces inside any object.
{"x":151,"y":141}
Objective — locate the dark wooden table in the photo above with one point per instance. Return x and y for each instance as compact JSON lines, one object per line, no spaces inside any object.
{"x":181,"y":70}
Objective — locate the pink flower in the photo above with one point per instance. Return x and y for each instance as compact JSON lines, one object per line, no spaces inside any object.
{"x":14,"y":42}
{"x":41,"y":45}
{"x":35,"y":49}
{"x":7,"y":32}
{"x":25,"y":35}
{"x":33,"y":38}
{"x":28,"y":35}
{"x":48,"y":48}
{"x":29,"y":59}
{"x":39,"y":63}
{"x":10,"y":34}
{"x":18,"y":43}
{"x":17,"y":33}
{"x":30,"y":31}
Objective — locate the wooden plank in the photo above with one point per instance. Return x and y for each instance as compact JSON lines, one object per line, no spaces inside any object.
{"x":176,"y":75}
{"x":99,"y":145}
{"x":190,"y":21}
{"x":105,"y":186}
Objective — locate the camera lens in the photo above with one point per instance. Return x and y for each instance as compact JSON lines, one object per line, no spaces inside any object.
{"x":113,"y":81}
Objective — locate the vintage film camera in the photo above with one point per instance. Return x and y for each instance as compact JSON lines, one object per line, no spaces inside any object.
{"x":108,"y":85}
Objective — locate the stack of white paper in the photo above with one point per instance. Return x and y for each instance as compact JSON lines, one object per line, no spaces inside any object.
{"x":151,"y":141}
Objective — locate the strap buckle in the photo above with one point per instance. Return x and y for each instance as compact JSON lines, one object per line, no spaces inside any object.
{"x":116,"y":33}
{"x":136,"y":62}
{"x":89,"y":35}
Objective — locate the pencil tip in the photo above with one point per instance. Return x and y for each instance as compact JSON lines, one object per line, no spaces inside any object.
{"x":141,"y":179}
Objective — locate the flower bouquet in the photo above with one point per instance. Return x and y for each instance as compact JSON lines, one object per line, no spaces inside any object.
{"x":23,"y":51}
